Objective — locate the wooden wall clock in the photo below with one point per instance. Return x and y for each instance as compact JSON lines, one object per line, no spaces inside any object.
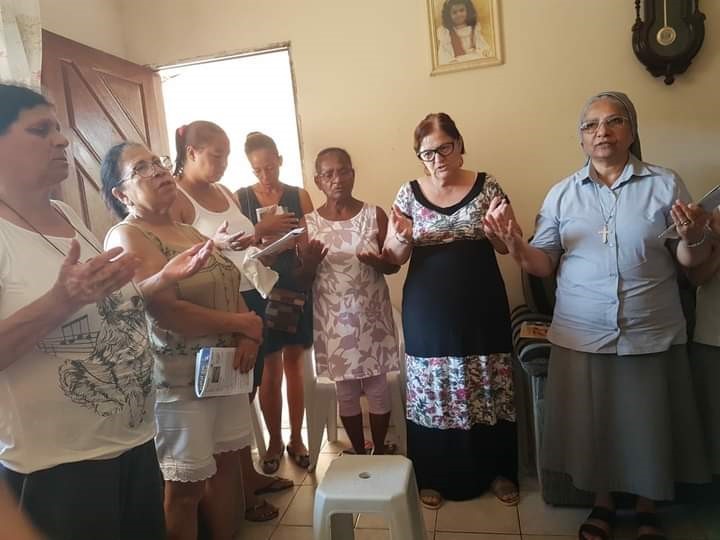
{"x":669,"y":37}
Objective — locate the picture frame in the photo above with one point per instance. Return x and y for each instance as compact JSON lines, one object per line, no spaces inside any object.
{"x":464,"y":34}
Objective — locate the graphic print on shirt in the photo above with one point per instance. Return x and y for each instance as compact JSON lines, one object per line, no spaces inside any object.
{"x":108,"y":365}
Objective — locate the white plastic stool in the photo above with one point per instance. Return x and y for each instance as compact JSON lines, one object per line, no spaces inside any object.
{"x":380,"y":484}
{"x":320,"y":409}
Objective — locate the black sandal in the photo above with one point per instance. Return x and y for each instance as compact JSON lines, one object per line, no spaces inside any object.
{"x":649,"y":519}
{"x":599,"y":513}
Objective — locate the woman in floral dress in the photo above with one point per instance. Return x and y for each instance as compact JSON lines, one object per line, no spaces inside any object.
{"x":460,"y":413}
{"x":354,"y":332}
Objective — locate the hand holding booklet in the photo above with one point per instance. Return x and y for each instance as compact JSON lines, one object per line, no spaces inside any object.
{"x":281,"y":244}
{"x":215,"y":374}
{"x":709,"y":202}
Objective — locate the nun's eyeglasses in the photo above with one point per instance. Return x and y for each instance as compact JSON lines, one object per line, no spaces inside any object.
{"x":611,"y":122}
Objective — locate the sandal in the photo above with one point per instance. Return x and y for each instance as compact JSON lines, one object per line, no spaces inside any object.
{"x":271,"y":462}
{"x":277,"y":483}
{"x":431,"y":499}
{"x":505,"y":491}
{"x":301,"y":460}
{"x":389,"y":449}
{"x":262,"y":511}
{"x":598,"y":513}
{"x":649,"y":519}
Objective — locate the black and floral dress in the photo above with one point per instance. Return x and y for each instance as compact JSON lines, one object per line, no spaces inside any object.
{"x":456,"y":321}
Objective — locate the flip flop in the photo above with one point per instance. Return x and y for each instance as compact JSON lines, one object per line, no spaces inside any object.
{"x":431,"y":499}
{"x":301,"y":460}
{"x":601,"y":514}
{"x":277,"y":483}
{"x":649,"y":519}
{"x":271,"y":463}
{"x":505,"y":491}
{"x":262,"y":511}
{"x":390,"y":449}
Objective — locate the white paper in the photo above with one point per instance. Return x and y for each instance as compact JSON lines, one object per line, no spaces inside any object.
{"x":280,"y":244}
{"x":709,"y":202}
{"x":216,"y":376}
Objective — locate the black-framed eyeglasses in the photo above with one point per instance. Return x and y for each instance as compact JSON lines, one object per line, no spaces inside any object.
{"x":332,"y":173}
{"x":611,"y":122}
{"x":148,"y":169}
{"x":444,"y":150}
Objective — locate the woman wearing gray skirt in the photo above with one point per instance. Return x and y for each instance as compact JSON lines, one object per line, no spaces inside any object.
{"x":621,"y":414}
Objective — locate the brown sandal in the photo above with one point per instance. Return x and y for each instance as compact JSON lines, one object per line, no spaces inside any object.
{"x":262,"y":511}
{"x":277,"y":483}
{"x":301,"y":460}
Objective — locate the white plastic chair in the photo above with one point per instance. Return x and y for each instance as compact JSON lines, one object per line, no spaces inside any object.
{"x":321,"y":402}
{"x":257,"y":427}
{"x":379,"y":484}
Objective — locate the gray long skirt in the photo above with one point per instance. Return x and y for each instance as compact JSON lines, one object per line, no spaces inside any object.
{"x":623,"y":423}
{"x":705,"y":362}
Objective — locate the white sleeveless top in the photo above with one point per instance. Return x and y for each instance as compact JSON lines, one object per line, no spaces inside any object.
{"x":207,"y":222}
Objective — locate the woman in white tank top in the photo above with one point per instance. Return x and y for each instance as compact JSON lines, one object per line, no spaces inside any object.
{"x":202,"y":152}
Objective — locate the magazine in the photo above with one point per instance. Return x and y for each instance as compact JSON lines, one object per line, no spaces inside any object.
{"x":216,"y":376}
{"x":281,"y":244}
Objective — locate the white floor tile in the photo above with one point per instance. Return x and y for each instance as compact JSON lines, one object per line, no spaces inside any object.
{"x":482,"y":515}
{"x":538,"y":518}
{"x":300,"y":511}
{"x":286,"y":532}
{"x":254,"y":532}
{"x":474,"y":536}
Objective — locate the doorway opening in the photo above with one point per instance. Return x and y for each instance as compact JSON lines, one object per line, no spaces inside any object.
{"x":241,"y":93}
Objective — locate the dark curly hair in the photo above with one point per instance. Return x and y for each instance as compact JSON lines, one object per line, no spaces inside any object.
{"x":471,"y":13}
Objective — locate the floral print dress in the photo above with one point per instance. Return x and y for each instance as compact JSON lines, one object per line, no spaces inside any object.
{"x":353,"y":322}
{"x":456,"y":322}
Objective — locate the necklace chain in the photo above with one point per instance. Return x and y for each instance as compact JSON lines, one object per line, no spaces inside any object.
{"x":36,"y":230}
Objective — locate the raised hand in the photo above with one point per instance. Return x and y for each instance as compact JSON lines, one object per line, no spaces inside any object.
{"x":188,"y":262}
{"x":236,"y":241}
{"x":401,"y":225}
{"x":80,"y":283}
{"x":500,"y":223}
{"x":380,"y":262}
{"x":246,"y":353}
{"x":690,"y":221}
{"x":312,"y":254}
{"x":275,"y":225}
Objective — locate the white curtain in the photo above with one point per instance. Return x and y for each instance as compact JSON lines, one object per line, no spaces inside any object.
{"x":20,"y":42}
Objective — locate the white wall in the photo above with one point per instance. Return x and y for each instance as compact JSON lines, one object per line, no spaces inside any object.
{"x":92,"y":22}
{"x":362,"y":74}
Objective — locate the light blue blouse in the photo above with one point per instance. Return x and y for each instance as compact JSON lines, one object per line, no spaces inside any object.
{"x":621,"y":296}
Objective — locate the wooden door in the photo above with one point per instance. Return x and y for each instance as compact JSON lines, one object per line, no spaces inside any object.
{"x":100,"y":100}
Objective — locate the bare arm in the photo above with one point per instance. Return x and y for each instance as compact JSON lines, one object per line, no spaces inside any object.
{"x":15,"y":526}
{"x":398,"y":240}
{"x":693,"y":248}
{"x":77,"y":284}
{"x":501,"y":224}
{"x":171,"y":313}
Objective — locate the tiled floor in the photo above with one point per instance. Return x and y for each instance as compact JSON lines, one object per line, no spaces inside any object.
{"x":479,"y":519}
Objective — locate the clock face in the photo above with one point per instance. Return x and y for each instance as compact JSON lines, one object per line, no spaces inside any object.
{"x":669,"y":34}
